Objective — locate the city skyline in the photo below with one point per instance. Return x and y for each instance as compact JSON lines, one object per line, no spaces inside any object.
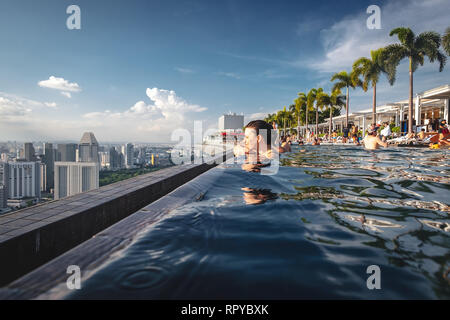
{"x":62,"y":170}
{"x":138,"y":71}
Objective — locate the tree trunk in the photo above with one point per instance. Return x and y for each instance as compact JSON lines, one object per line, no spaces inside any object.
{"x":298,"y":126}
{"x":317,"y":121}
{"x":374,"y":111}
{"x":331,"y":120}
{"x":346,"y":109}
{"x":307,"y":118}
{"x":410,"y":109}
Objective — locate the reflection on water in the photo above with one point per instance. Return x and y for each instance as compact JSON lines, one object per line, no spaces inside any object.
{"x":308,"y":232}
{"x":257,"y":196}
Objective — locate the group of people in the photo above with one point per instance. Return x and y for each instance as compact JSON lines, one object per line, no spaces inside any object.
{"x":441,"y":139}
{"x":257,"y":146}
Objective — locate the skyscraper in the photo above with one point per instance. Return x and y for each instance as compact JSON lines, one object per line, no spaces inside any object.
{"x":105,"y":162}
{"x":4,"y":184}
{"x":114,"y":159}
{"x":128,"y":152}
{"x":30,"y":153}
{"x":66,"y":152}
{"x":3,"y":196}
{"x":75,"y":177}
{"x":88,"y":148}
{"x":43,"y":169}
{"x":24,"y":180}
{"x":49,"y":161}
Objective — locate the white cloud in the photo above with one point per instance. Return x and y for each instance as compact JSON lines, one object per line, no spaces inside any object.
{"x":349,"y":38}
{"x":64,"y":86}
{"x":50,"y":104}
{"x":11,"y":109}
{"x":152,"y":121}
{"x":165,"y":113}
{"x":14,"y":107}
{"x":229,"y":74}
{"x":184,"y":70}
{"x":255,"y":116}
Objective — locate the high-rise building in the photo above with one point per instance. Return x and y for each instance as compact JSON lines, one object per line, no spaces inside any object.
{"x":142,"y":155}
{"x":88,"y":148}
{"x":75,"y":177}
{"x":128,"y":152}
{"x":4,"y":184}
{"x":231,"y":121}
{"x":4,"y":173}
{"x":3,"y":196}
{"x":66,"y":152}
{"x":114,"y":159}
{"x":24,"y":180}
{"x":121,"y":160}
{"x":105,"y":162}
{"x":43,"y":169}
{"x":49,"y":161}
{"x":29,"y":153}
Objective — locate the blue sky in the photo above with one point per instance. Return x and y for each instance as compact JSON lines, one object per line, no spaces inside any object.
{"x":137,"y":70}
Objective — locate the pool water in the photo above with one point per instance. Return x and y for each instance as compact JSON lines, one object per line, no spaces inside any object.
{"x":308,"y":232}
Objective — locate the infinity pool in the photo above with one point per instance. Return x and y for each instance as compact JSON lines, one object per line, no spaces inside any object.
{"x":308,"y":232}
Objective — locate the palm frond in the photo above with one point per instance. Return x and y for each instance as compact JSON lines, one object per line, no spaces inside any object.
{"x":446,"y":41}
{"x":405,"y":35}
{"x":390,"y":59}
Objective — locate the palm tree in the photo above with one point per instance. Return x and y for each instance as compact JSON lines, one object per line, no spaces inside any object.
{"x":337,"y":101}
{"x":346,"y":80}
{"x":446,"y":41}
{"x":271,"y":118}
{"x":282,"y":116}
{"x":320,"y":99}
{"x":292,"y":115}
{"x":300,"y":104}
{"x":415,"y":48}
{"x":310,"y":99}
{"x":370,"y":69}
{"x":334,"y":101}
{"x":290,"y":118}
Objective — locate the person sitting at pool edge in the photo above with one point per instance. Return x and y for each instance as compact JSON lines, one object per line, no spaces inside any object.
{"x":443,"y":133}
{"x":345,"y":132}
{"x":355,"y":139}
{"x":316,"y":142}
{"x":386,"y":132}
{"x":371,"y":141}
{"x":422,"y":134}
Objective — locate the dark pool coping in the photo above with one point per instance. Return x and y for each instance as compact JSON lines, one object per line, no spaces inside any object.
{"x":49,"y":280}
{"x":32,"y":237}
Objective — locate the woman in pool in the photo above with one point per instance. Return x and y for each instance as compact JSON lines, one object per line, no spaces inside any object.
{"x":257,"y":146}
